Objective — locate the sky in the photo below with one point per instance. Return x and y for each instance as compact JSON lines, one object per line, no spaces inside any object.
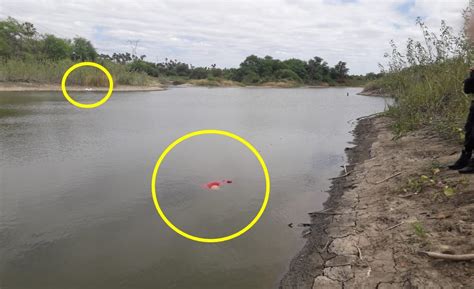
{"x":222,"y":32}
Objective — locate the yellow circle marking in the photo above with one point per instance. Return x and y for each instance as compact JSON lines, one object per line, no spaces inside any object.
{"x":224,"y":238}
{"x":87,"y":105}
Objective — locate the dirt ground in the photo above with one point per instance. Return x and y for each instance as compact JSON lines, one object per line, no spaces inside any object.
{"x":396,"y":201}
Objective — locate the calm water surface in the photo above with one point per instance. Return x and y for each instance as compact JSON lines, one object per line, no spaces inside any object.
{"x":75,"y":201}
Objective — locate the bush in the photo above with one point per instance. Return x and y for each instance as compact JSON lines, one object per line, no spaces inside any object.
{"x":287,"y":74}
{"x":427,"y":82}
{"x":199,"y":73}
{"x":47,"y":71}
{"x":251,"y":78}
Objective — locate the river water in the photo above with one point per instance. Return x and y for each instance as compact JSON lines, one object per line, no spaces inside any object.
{"x":75,"y":202}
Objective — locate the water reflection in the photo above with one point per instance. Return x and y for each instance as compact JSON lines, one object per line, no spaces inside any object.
{"x":75,"y":200}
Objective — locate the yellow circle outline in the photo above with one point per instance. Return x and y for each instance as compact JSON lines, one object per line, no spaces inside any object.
{"x":87,"y":105}
{"x":220,"y":239}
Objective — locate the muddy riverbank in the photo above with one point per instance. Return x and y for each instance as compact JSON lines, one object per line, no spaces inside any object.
{"x":396,"y":201}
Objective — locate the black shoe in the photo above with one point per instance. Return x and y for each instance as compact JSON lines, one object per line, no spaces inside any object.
{"x":462,"y":162}
{"x":469,"y":169}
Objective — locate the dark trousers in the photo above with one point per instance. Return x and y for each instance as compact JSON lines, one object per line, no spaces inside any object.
{"x":469,"y":130}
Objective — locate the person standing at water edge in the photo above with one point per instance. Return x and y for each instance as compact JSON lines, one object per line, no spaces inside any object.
{"x":465,"y":164}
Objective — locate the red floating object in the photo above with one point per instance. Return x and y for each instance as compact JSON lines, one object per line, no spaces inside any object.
{"x":213,"y":185}
{"x":216,"y":185}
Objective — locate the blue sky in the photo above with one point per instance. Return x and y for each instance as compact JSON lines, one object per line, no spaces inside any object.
{"x":405,"y":7}
{"x":224,"y":32}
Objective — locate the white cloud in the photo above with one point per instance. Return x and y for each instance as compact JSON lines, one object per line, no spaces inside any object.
{"x":224,"y":32}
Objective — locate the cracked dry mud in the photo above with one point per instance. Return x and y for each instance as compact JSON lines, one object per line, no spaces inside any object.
{"x":368,"y":237}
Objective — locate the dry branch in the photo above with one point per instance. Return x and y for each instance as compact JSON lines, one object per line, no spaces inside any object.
{"x":325,"y":246}
{"x":324,"y":213}
{"x":369,"y":116}
{"x":393,"y":227}
{"x":463,"y":257}
{"x":343,"y":176}
{"x":386,"y":179}
{"x":360,"y":252}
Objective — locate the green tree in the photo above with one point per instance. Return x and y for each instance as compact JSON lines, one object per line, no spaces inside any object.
{"x":82,"y":49}
{"x":216,"y":72}
{"x":17,"y":39}
{"x":318,"y":70}
{"x":199,"y":73}
{"x":254,"y":67}
{"x":287,"y":74}
{"x":251,"y":63}
{"x":140,"y":65}
{"x":56,"y":48}
{"x":122,"y":58}
{"x":341,"y":70}
{"x":265,"y":67}
{"x":251,"y":78}
{"x":182,"y":69}
{"x":298,"y":66}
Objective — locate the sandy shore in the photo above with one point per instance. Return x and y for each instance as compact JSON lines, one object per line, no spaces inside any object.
{"x":396,"y":202}
{"x":23,"y":86}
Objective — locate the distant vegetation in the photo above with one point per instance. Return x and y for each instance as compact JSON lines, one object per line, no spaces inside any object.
{"x":28,"y":56}
{"x":426,"y":80}
{"x":255,"y":70}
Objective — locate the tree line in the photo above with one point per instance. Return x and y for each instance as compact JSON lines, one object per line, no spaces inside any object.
{"x":22,"y":41}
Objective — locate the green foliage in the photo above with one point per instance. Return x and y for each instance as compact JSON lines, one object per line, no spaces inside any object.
{"x":251,"y":77}
{"x":49,"y":71}
{"x":142,"y":66}
{"x":267,"y":69}
{"x":16,"y":39}
{"x":46,"y":71}
{"x":83,"y":50}
{"x":419,"y":229}
{"x":434,"y":185}
{"x":294,"y":67}
{"x":318,"y":70}
{"x":340,"y":70}
{"x":199,"y":73}
{"x":287,"y":74}
{"x":426,"y":81}
{"x":56,"y":48}
{"x":33,"y":57}
{"x":27,"y":56}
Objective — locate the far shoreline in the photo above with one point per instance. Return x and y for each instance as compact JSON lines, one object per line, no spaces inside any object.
{"x":24,"y":86}
{"x":43,"y":87}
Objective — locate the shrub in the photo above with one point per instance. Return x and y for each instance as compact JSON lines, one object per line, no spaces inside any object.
{"x":427,"y":81}
{"x":287,"y":74}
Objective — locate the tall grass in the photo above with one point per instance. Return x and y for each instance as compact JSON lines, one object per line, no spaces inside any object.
{"x":428,"y":95}
{"x":426,"y":81}
{"x":51,"y":72}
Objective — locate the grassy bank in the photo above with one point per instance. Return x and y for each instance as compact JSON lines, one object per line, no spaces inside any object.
{"x":427,"y":95}
{"x":426,"y":81}
{"x":44,"y":72}
{"x":50,"y":72}
{"x":222,"y":82}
